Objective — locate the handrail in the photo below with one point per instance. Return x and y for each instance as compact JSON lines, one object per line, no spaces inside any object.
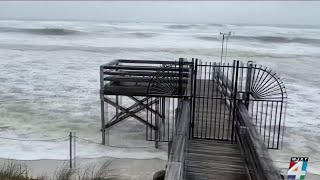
{"x":258,"y":160}
{"x":256,"y":154}
{"x":175,"y":165}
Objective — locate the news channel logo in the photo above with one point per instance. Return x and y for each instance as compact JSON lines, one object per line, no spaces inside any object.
{"x":298,"y":167}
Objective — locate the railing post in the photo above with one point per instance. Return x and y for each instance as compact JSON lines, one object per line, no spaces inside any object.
{"x":194,"y":96}
{"x":181,"y":66}
{"x":235,"y":92}
{"x":157,"y":123}
{"x":248,"y":84}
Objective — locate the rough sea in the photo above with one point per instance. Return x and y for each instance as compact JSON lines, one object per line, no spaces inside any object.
{"x":49,"y":74}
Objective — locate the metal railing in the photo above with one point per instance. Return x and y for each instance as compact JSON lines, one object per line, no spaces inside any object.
{"x":218,"y":87}
{"x":254,"y":151}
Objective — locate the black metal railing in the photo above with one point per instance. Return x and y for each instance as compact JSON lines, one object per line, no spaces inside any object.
{"x":259,"y":163}
{"x":217,"y":89}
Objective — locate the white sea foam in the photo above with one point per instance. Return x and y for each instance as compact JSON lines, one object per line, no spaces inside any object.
{"x":50,"y":82}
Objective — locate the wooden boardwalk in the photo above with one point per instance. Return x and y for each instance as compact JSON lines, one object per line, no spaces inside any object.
{"x":215,"y":159}
{"x":209,"y":154}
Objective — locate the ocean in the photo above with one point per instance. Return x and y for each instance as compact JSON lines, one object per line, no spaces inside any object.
{"x":50,"y":81}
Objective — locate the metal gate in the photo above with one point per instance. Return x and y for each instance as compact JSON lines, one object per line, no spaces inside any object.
{"x":218,"y":89}
{"x":213,"y":101}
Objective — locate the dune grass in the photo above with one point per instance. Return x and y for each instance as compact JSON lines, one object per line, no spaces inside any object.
{"x":15,"y":171}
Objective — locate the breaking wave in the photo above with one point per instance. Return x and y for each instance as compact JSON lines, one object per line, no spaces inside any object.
{"x":279,"y":39}
{"x":40,"y":31}
{"x":212,"y":52}
{"x":208,"y":38}
{"x":268,"y":39}
{"x":139,"y":35}
{"x":180,"y":26}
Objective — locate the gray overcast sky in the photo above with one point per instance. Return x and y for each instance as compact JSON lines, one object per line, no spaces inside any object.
{"x":181,"y":12}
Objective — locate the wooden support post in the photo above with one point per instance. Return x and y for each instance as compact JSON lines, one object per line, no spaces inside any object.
{"x":157,"y":125}
{"x":103,"y":129}
{"x":163,"y":119}
{"x":106,"y":131}
{"x":102,"y":106}
{"x":169,"y":147}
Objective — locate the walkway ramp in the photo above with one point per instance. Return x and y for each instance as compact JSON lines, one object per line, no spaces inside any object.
{"x":214,"y":160}
{"x":210,"y":154}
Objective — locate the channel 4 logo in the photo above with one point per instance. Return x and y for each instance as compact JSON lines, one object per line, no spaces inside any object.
{"x":298,"y":168}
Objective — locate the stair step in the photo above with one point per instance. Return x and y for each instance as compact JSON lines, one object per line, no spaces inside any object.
{"x":212,"y":148}
{"x":210,"y":152}
{"x":215,"y":176}
{"x":211,"y":143}
{"x":215,"y":166}
{"x":215,"y":170}
{"x":207,"y":158}
{"x":215,"y":163}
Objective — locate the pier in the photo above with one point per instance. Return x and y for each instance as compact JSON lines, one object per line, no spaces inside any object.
{"x":219,"y":120}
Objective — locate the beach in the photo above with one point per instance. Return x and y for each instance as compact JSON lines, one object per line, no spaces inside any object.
{"x":50,"y":85}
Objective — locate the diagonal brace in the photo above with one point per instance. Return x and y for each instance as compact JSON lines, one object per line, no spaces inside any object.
{"x":115,"y":121}
{"x":129,"y":108}
{"x":146,"y":106}
{"x":130,"y":113}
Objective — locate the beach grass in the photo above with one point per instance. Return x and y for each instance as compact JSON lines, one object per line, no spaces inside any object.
{"x":15,"y":171}
{"x":11,"y":170}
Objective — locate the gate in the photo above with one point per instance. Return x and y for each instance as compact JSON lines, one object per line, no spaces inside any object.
{"x":213,"y":101}
{"x":219,"y":88}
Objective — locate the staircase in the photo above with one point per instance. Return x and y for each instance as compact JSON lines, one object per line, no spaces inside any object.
{"x":214,"y":160}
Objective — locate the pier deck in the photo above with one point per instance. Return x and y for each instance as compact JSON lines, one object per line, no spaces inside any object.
{"x":218,"y":118}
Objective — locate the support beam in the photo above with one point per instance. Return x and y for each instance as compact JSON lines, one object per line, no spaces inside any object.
{"x":141,"y":103}
{"x":125,"y":115}
{"x":129,"y":108}
{"x":129,"y":112}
